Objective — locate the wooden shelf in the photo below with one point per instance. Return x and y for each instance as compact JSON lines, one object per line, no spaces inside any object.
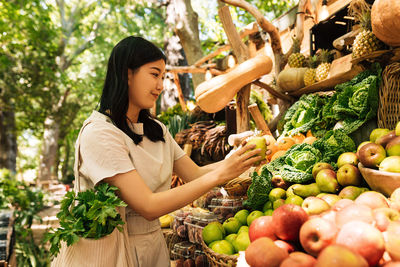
{"x":330,"y":83}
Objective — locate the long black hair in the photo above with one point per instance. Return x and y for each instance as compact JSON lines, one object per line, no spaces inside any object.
{"x":130,"y":53}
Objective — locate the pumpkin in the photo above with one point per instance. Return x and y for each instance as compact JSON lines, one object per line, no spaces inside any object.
{"x":291,"y":79}
{"x":214,"y":94}
{"x":385,"y":21}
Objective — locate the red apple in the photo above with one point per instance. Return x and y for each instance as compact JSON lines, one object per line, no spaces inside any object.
{"x":394,"y":205}
{"x":371,"y":155}
{"x":298,"y":259}
{"x":341,"y":204}
{"x":372,"y":199}
{"x":339,"y":256}
{"x":316,"y":234}
{"x":364,"y":239}
{"x":353,"y":212}
{"x":261,"y":227}
{"x":383,"y":217}
{"x":285,"y":245}
{"x":393,"y":240}
{"x":263,"y":252}
{"x":287,"y":220}
{"x":329,"y":215}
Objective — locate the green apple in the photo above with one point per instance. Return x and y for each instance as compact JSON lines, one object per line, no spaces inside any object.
{"x":277,"y":193}
{"x":268,"y":212}
{"x":212,"y":232}
{"x":376,"y":133}
{"x":223,"y":247}
{"x":260,"y":143}
{"x":349,"y":174}
{"x":231,"y":225}
{"x":320,"y":166}
{"x":254,"y":215}
{"x":231,"y":238}
{"x":241,"y":215}
{"x":294,"y":200}
{"x":242,"y":241}
{"x":277,"y":203}
{"x":243,"y":228}
{"x":347,"y":158}
{"x":267,"y":206}
{"x":390,"y":164}
{"x":314,"y":205}
{"x":397,"y":129}
{"x":393,"y":147}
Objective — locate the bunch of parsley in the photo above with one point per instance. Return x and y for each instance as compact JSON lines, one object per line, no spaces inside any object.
{"x":88,"y":214}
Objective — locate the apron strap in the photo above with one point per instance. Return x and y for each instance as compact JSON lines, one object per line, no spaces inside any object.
{"x":78,"y":159}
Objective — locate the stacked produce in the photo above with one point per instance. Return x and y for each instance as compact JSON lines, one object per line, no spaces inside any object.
{"x":353,"y":104}
{"x":382,"y":150}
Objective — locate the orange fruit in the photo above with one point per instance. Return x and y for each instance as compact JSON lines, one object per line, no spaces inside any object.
{"x":298,"y":138}
{"x":278,"y":154}
{"x":309,"y":140}
{"x":309,"y":133}
{"x":285,"y":143}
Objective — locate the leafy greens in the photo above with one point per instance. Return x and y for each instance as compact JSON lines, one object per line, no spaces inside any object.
{"x":89,"y":214}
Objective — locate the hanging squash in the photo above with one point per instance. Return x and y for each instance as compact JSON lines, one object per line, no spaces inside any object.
{"x":214,"y":94}
{"x":385,"y":21}
{"x":291,"y":79}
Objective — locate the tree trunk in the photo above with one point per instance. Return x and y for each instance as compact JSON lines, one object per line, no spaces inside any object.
{"x":48,"y":155}
{"x":186,"y":27}
{"x":8,"y":141}
{"x":65,"y":164}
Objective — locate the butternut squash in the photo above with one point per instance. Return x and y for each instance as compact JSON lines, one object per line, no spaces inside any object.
{"x":291,"y":79}
{"x":214,"y":94}
{"x":385,"y":21}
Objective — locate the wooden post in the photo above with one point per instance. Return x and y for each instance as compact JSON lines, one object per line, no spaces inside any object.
{"x":242,"y":54}
{"x":259,"y":119}
{"x":180,"y":94}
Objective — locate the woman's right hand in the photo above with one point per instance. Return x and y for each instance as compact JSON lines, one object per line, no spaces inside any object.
{"x":240,"y":161}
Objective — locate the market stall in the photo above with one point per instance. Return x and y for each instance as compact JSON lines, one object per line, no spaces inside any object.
{"x":329,"y":188}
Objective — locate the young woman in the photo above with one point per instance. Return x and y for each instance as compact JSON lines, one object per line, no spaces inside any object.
{"x":123,"y":145}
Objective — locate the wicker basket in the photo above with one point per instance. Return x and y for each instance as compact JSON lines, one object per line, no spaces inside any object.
{"x":218,"y":260}
{"x":237,"y":187}
{"x":389,"y":97}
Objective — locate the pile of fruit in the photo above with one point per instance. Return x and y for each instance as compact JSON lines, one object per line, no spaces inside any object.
{"x":363,"y":232}
{"x":382,"y":150}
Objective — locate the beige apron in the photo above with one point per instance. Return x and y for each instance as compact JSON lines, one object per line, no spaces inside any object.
{"x":154,"y":163}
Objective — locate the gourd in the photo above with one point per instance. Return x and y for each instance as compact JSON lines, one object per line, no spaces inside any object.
{"x":214,"y":94}
{"x":385,"y":21}
{"x":291,"y":79}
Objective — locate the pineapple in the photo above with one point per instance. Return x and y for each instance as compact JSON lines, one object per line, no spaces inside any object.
{"x":322,"y":71}
{"x":310,"y":74}
{"x":365,"y":42}
{"x":296,"y":59}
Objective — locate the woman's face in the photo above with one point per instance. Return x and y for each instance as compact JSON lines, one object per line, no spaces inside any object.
{"x":146,"y":84}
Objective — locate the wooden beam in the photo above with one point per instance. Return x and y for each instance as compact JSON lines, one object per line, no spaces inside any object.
{"x":259,"y":119}
{"x":180,"y":93}
{"x":272,"y":91}
{"x":249,"y":29}
{"x":242,"y":54}
{"x":190,"y":69}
